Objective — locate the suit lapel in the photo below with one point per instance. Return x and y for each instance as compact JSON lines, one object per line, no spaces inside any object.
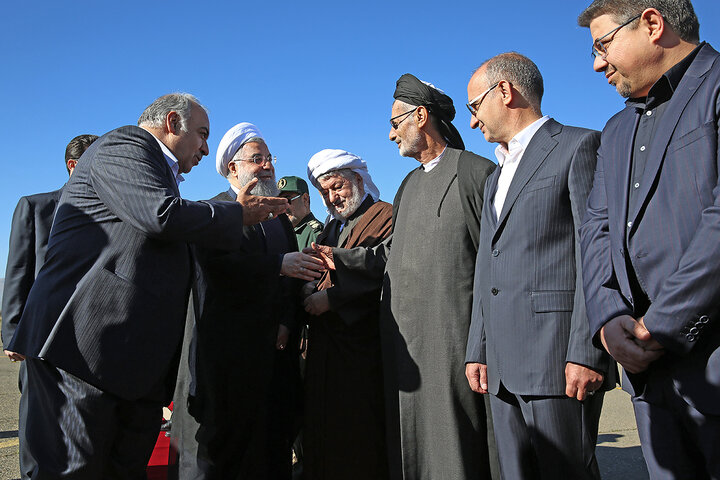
{"x":692,"y":79}
{"x":491,"y":186}
{"x":537,"y":151}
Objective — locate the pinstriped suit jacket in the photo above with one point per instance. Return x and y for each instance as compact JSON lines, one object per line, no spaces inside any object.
{"x":671,"y":235}
{"x":528,"y":308}
{"x":109,"y":304}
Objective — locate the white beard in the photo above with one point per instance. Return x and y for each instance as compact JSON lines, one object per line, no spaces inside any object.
{"x":266,"y":187}
{"x":351,"y":205}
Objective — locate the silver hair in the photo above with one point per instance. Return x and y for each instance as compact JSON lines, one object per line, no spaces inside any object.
{"x":679,"y":14}
{"x":518,"y":70}
{"x":156,"y":113}
{"x":238,"y":154}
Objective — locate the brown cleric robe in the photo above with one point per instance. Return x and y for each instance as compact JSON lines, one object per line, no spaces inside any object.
{"x":344,"y":408}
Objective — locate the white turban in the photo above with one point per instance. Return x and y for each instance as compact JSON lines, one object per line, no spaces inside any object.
{"x":329,"y":160}
{"x":231,"y":142}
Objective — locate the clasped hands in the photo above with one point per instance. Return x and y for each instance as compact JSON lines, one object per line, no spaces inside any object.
{"x":318,"y":303}
{"x":630,"y":343}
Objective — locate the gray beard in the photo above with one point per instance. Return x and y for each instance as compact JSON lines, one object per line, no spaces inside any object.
{"x":352,"y":204}
{"x":266,"y":187}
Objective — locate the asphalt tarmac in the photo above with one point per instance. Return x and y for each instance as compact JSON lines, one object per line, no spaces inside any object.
{"x":618,"y":448}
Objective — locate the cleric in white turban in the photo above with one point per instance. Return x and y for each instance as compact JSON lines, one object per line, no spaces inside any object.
{"x":232,"y":141}
{"x":330,"y":159}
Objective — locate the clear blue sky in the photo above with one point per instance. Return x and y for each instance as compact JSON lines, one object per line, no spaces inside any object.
{"x":311,"y":75}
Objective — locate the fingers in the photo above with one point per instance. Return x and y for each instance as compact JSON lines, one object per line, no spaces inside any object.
{"x":472,"y":373}
{"x":483,"y":379}
{"x":637,"y":329}
{"x":248,"y":186}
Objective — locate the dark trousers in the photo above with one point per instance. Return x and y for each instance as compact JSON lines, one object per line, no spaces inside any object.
{"x":546,"y":437}
{"x":77,"y":431}
{"x":27,"y":462}
{"x":678,"y":441}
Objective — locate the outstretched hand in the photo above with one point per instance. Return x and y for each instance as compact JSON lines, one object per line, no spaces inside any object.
{"x":256,"y":208}
{"x":323,"y":252}
{"x":302,"y":266}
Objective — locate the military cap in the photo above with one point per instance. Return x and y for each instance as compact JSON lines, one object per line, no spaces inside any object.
{"x":292,"y":184}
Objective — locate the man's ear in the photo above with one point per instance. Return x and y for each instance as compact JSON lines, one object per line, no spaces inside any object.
{"x":71,"y":164}
{"x":654,"y":23}
{"x":172,"y":123}
{"x":360,"y":183}
{"x":422,"y":115}
{"x":306,"y":200}
{"x":506,"y":92}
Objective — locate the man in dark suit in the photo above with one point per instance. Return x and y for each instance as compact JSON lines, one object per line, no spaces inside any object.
{"x":26,"y":254}
{"x":650,"y":239}
{"x":529,"y":343}
{"x":102,"y":325}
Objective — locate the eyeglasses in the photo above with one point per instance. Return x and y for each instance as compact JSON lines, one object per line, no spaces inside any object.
{"x":395,"y":124}
{"x":258,"y":159}
{"x":479,"y":99}
{"x":599,"y":48}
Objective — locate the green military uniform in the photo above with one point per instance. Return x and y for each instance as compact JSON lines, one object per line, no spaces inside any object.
{"x":307,"y":230}
{"x":309,"y":227}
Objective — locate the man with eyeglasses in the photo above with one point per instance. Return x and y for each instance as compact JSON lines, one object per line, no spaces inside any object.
{"x":243,"y":360}
{"x":529,"y":344}
{"x":650,"y":240}
{"x":306,"y":226}
{"x":428,"y":290}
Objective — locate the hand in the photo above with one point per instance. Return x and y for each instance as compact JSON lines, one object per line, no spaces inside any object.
{"x":317,"y":303}
{"x":257,"y":209}
{"x":15,"y":357}
{"x":323,"y":252}
{"x":308,"y":289}
{"x":581,"y":381}
{"x":282,"y":337}
{"x":647,"y":342}
{"x":623,"y":338}
{"x":476,"y":374}
{"x":301,"y":265}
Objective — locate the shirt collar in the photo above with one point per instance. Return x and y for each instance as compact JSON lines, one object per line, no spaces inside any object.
{"x":171,"y":160}
{"x":433,"y":163}
{"x":520,"y":141}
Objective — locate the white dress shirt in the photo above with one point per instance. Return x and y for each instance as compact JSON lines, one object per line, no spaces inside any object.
{"x":171,"y":160}
{"x":509,"y":159}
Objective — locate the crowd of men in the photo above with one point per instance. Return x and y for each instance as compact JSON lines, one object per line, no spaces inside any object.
{"x":468,"y":330}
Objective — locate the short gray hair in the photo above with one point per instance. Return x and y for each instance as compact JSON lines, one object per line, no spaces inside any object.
{"x":155,"y":114}
{"x":238,"y":154}
{"x":518,"y":70}
{"x":679,"y":14}
{"x":347,"y":173}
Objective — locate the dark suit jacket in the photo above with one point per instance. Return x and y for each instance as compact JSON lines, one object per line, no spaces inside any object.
{"x":26,"y":254}
{"x":109,"y":304}
{"x":528,"y":299}
{"x":671,"y":235}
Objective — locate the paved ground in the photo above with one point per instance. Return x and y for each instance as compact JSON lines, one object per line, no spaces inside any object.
{"x":618,"y":447}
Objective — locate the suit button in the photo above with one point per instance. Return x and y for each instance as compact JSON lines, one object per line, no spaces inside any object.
{"x":694,"y":331}
{"x":495,"y":253}
{"x":704,"y":319}
{"x":690,"y":337}
{"x":494,"y":291}
{"x":629,"y":224}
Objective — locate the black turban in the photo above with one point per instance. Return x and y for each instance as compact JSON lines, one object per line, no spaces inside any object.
{"x":414,"y":92}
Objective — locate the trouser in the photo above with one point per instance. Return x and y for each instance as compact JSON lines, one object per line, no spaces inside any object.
{"x":541,"y":437}
{"x":77,"y":431}
{"x":27,"y":462}
{"x":678,"y":441}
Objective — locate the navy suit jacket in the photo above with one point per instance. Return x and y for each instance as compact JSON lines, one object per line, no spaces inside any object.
{"x":109,"y":304}
{"x":29,"y":234}
{"x":528,"y":317}
{"x":671,"y":234}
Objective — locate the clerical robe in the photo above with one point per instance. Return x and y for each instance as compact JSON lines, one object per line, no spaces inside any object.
{"x":344,"y":419}
{"x":436,"y":424}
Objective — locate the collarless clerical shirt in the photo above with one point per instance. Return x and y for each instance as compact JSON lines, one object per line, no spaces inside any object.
{"x":433,"y":163}
{"x":509,"y":159}
{"x":171,"y":160}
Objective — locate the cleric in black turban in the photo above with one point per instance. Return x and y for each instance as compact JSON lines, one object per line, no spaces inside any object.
{"x":415,"y":92}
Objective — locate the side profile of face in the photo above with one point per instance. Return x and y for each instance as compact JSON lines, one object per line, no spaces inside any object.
{"x":298,"y":207}
{"x":189,"y":146}
{"x":488,"y":115}
{"x":407,"y":135}
{"x":628,"y":64}
{"x":342,"y":196}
